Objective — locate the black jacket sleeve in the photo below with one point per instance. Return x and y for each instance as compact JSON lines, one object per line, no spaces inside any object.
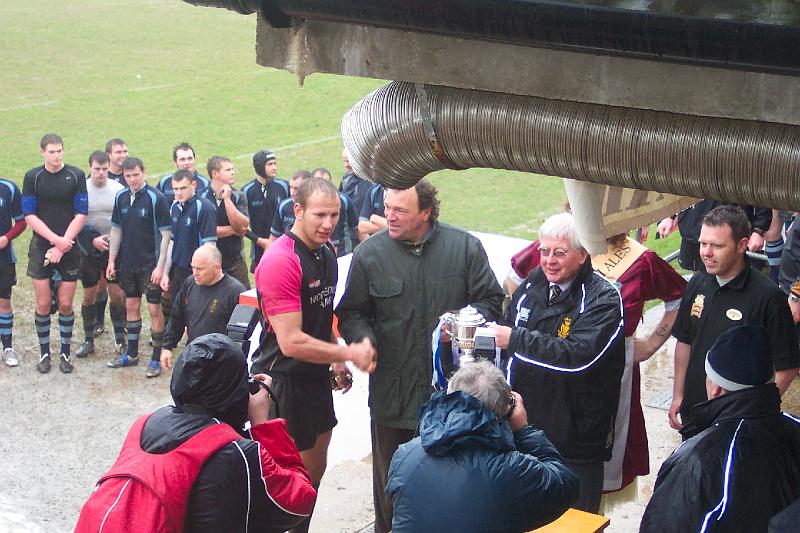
{"x":177,"y":321}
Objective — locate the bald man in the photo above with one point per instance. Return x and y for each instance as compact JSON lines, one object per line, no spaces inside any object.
{"x":204,"y":303}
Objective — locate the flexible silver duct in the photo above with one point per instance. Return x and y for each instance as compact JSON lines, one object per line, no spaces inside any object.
{"x":402,"y":132}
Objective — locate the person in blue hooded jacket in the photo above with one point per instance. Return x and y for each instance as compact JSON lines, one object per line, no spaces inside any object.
{"x":477,"y":465}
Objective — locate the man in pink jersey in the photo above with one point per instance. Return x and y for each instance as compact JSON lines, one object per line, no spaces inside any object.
{"x":296,"y":280}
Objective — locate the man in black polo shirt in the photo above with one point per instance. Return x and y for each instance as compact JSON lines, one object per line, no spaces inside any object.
{"x":284,"y":216}
{"x":194,"y":223}
{"x":117,"y":151}
{"x":140,"y":237}
{"x":353,"y":185}
{"x":372,"y":219}
{"x":232,"y":220}
{"x":297,"y":280}
{"x":728,"y":294}
{"x":345,"y":234}
{"x":184,"y":158}
{"x":203,"y":304}
{"x":263,"y":195}
{"x":55,"y":203}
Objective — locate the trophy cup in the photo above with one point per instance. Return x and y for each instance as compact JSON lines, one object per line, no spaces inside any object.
{"x":463,"y":326}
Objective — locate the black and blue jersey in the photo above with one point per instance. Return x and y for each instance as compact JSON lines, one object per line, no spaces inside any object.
{"x":356,"y":188}
{"x":193,"y":224}
{"x":373,"y":204}
{"x":284,"y":218}
{"x":141,"y":220}
{"x":10,"y":213}
{"x":54,"y":197}
{"x":165,"y":185}
{"x":230,"y":247}
{"x":262,"y":204}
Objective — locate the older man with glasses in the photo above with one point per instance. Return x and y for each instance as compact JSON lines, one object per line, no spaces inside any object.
{"x":565,"y":353}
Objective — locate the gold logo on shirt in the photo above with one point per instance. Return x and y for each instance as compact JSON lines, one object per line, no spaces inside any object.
{"x":697,"y":306}
{"x":563,"y":330}
{"x":213,"y":307}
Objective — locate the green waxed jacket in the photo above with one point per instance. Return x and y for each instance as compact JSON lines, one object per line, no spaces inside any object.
{"x":395,"y":294}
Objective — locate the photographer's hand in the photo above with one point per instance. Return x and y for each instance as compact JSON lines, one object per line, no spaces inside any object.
{"x":258,"y":406}
{"x":519,"y":418}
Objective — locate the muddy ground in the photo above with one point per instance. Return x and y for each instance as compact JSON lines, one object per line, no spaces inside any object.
{"x":59,"y":433}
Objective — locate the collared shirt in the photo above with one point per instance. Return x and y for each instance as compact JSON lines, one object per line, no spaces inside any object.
{"x":193,"y":224}
{"x":356,"y":188}
{"x":10,"y":212}
{"x":708,"y":310}
{"x":283,"y":220}
{"x":165,"y":185}
{"x":141,"y":223}
{"x":230,"y":247}
{"x":373,"y":204}
{"x":262,"y":204}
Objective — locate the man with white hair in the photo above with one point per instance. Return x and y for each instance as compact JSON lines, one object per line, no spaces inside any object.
{"x":565,"y":353}
{"x":477,"y":435}
{"x":740,"y":467}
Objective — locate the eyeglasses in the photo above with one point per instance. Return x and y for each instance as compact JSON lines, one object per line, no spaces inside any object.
{"x":560,"y":253}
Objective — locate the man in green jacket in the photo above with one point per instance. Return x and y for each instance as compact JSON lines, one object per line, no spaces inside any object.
{"x":401,"y":281}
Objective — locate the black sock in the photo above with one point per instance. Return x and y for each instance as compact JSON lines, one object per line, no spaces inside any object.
{"x":158,"y":339}
{"x":117,"y":313}
{"x":88,"y":317}
{"x":100,"y":307}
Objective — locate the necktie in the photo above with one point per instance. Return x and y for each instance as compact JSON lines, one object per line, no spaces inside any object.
{"x":264,"y":192}
{"x":555,"y":290}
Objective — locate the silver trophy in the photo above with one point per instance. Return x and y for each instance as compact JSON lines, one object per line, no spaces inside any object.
{"x":463,"y":326}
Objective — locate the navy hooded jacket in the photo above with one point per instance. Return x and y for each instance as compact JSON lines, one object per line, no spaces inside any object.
{"x":467,"y":472}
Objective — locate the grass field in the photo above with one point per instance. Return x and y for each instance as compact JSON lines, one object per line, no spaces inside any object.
{"x":157,"y":72}
{"x":161,"y":71}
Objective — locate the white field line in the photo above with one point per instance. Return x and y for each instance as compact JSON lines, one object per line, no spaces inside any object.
{"x":294,"y":146}
{"x":248,"y":155}
{"x":53,"y":102}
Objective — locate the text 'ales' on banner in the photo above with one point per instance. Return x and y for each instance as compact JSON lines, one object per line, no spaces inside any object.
{"x":602,"y":211}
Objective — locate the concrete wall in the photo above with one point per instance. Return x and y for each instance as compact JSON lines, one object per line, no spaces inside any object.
{"x":396,"y":55}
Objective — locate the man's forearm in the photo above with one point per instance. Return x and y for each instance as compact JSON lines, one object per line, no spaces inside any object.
{"x":238,"y":221}
{"x":662,"y":330}
{"x":681,"y":365}
{"x":114,"y":242}
{"x":784,"y":378}
{"x":40,"y":228}
{"x":75,"y":227}
{"x":163,"y":251}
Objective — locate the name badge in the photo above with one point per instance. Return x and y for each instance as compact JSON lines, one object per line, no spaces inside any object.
{"x":733,"y":314}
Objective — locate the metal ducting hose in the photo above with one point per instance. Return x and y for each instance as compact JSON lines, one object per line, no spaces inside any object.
{"x":402,"y":132}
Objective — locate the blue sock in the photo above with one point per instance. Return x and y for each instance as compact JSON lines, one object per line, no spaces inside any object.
{"x":134,"y":328}
{"x":43,"y":332}
{"x":65,"y":324}
{"x":6,"y":325}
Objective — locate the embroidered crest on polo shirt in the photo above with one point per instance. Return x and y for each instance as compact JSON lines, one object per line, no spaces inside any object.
{"x":524,"y":313}
{"x":733,"y":314}
{"x":697,"y":306}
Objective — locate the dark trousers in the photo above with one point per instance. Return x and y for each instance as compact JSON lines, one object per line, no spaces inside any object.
{"x":591,"y":478}
{"x":385,"y":441}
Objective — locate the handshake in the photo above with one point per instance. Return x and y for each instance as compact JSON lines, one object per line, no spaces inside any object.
{"x":363,"y":355}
